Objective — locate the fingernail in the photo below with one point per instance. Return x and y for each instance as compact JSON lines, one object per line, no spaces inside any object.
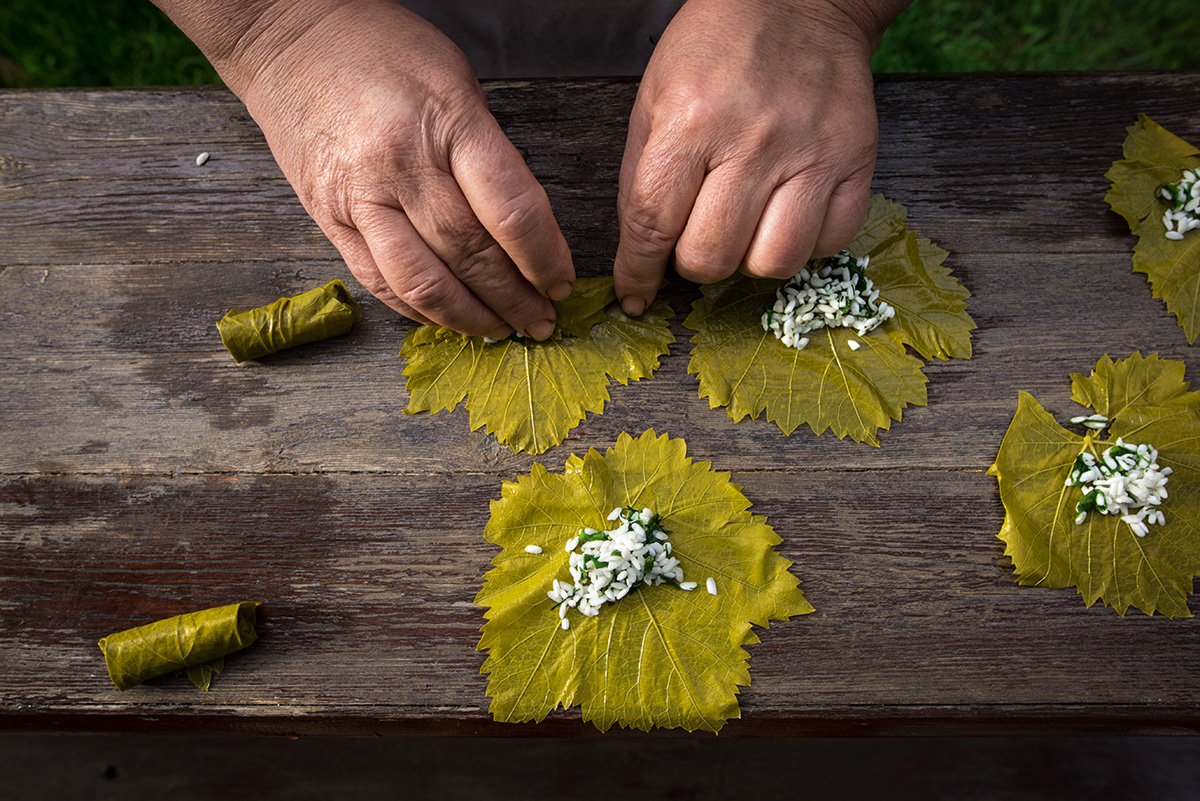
{"x":561,"y":291}
{"x":500,"y":333}
{"x":633,"y":305}
{"x":540,"y":330}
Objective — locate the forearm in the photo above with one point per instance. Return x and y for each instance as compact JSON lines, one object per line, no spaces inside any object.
{"x":863,"y":21}
{"x":875,"y":14}
{"x":241,"y":38}
{"x":871,"y":16}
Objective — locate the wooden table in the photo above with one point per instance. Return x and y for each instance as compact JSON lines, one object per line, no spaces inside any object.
{"x":144,"y":473}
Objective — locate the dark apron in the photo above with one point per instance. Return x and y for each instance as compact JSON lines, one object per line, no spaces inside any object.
{"x":551,"y":38}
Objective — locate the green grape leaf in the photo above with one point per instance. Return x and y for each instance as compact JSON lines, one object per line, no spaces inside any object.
{"x":827,"y":384}
{"x":531,"y":394}
{"x":931,"y":306}
{"x":584,"y":307}
{"x":1154,"y":156}
{"x":202,"y":675}
{"x":1115,"y":387}
{"x":885,"y":220}
{"x":661,"y":656}
{"x":1102,"y":557}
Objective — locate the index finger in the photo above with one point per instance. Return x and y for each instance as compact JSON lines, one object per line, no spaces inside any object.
{"x":513,"y":207}
{"x":653,"y":212}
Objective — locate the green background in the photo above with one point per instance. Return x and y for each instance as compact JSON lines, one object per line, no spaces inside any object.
{"x":130,"y":43}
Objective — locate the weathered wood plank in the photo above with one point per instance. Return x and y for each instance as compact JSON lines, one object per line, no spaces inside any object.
{"x":1015,"y":200}
{"x":113,"y":174}
{"x":119,"y":368}
{"x":368,"y":621}
{"x":987,"y":161}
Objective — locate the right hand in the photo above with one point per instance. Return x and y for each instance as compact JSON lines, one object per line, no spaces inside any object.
{"x":379,"y":124}
{"x":751,"y":143}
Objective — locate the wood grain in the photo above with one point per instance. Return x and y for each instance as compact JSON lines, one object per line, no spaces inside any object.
{"x":143,"y":473}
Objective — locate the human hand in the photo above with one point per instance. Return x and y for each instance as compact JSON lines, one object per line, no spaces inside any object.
{"x":752,"y":141}
{"x":381,"y":127}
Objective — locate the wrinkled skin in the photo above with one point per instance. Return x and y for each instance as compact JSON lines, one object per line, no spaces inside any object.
{"x":751,"y":146}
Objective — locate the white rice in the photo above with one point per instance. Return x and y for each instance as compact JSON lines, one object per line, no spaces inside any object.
{"x":607,"y":565}
{"x":514,"y":335}
{"x":836,"y":293}
{"x":711,"y":585}
{"x":1183,"y":210}
{"x":1095,"y":422}
{"x":1126,"y":480}
{"x":203,"y":157}
{"x":534,"y":549}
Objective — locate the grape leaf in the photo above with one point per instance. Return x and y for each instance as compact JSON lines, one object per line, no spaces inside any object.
{"x":530,"y":394}
{"x":661,"y":656}
{"x":1114,"y":388}
{"x":1154,"y":156}
{"x":1147,"y":402}
{"x":827,"y":384}
{"x":202,"y":675}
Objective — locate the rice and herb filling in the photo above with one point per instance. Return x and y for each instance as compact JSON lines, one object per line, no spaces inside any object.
{"x":835,"y":293}
{"x":1126,"y":480}
{"x":514,"y":336}
{"x":606,"y":565}
{"x":1183,"y":210}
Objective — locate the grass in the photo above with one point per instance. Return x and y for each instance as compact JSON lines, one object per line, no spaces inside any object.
{"x":45,"y":43}
{"x":992,"y":35}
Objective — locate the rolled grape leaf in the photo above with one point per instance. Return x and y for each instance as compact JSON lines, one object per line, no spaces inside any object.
{"x":530,"y":394}
{"x":196,"y":642}
{"x":661,"y":656}
{"x":320,"y":313}
{"x":1155,"y":156}
{"x":850,"y":384}
{"x":1146,"y":402}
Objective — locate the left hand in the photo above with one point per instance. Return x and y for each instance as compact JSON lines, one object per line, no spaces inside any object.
{"x":752,"y":141}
